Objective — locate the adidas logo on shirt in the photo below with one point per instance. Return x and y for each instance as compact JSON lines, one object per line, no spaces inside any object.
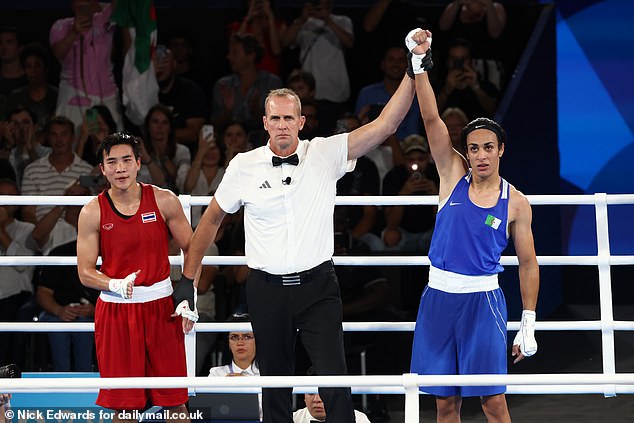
{"x":265,"y":184}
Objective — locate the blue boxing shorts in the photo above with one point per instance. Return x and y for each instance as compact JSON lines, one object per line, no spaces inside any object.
{"x":460,"y":334}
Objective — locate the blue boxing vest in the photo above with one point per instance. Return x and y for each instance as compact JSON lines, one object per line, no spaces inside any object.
{"x":469,"y":239}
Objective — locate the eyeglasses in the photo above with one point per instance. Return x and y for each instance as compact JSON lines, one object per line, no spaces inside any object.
{"x":244,"y":337}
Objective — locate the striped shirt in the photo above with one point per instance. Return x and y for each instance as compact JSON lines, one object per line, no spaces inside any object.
{"x":41,"y":178}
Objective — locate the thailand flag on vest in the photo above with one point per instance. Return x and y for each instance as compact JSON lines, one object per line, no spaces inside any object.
{"x":148,"y":217}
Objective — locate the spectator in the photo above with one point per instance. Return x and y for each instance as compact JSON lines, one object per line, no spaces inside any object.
{"x":181,"y":44}
{"x":161,"y":156}
{"x":261,"y":22}
{"x":16,"y":287}
{"x":204,"y":174}
{"x":183,"y":96}
{"x":409,"y":228}
{"x":322,"y":37}
{"x":55,"y":174}
{"x":96,"y":125}
{"x":482,"y":22}
{"x":64,"y":299}
{"x":462,"y":86}
{"x":11,"y":71}
{"x":303,"y":83}
{"x":242,"y":347}
{"x":383,"y":26}
{"x":312,"y":125}
{"x":235,"y":140}
{"x":38,"y":95}
{"x":316,"y":412}
{"x":243,"y":355}
{"x":83,"y":46}
{"x":393,"y":66}
{"x":22,"y":141}
{"x":455,"y":119}
{"x":240,"y":95}
{"x":474,"y":18}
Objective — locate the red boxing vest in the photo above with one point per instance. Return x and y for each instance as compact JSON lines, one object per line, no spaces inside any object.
{"x":136,"y":242}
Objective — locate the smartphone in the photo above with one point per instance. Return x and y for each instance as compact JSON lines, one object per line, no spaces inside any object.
{"x":208,"y":132}
{"x":90,"y":181}
{"x":91,"y":121}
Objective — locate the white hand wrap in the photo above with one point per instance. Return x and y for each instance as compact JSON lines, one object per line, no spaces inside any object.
{"x":182,"y":309}
{"x":120,"y":286}
{"x":525,"y":337}
{"x":417,"y":59}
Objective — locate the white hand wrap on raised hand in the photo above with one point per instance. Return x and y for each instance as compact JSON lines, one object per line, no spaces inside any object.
{"x":182,"y":309}
{"x":416,"y":59}
{"x":525,"y":337}
{"x":120,"y":286}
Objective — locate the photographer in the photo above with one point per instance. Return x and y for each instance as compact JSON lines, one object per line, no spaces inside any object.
{"x":409,"y":228}
{"x":462,"y":86}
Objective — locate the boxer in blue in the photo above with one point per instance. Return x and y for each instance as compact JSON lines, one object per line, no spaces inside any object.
{"x":461,"y":323}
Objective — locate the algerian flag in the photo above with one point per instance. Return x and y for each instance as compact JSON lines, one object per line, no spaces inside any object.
{"x":492,"y":221}
{"x":140,"y":88}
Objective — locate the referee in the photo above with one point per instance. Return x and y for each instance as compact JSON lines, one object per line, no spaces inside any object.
{"x":288,"y":189}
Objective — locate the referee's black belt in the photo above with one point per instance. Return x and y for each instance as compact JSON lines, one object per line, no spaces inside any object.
{"x":297,"y":278}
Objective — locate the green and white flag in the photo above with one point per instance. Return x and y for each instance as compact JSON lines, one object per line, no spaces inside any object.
{"x":492,"y":221}
{"x":140,"y":88}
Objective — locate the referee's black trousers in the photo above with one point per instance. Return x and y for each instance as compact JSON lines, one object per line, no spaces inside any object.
{"x":314,"y":309}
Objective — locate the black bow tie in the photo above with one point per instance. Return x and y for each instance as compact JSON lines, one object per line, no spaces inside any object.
{"x":292,"y":160}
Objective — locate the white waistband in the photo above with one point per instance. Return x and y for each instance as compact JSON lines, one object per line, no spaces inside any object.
{"x":141,"y":294}
{"x":460,"y":284}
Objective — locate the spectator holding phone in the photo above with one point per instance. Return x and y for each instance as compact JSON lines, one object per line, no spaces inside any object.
{"x":267,"y":29}
{"x":409,"y":228}
{"x":83,"y":46}
{"x":462,"y":87}
{"x":97,"y":123}
{"x":205,"y":172}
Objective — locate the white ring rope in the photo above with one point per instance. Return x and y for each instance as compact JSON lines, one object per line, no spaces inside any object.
{"x":577,"y":325}
{"x":609,"y":383}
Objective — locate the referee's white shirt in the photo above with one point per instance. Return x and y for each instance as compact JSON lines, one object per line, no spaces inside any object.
{"x":288,"y":227}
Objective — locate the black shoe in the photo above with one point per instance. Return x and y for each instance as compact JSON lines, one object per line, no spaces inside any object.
{"x":10,"y":371}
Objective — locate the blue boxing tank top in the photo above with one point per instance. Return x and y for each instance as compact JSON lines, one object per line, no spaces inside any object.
{"x":469,"y":239}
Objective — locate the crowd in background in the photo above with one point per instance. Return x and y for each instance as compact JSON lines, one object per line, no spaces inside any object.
{"x":49,"y":134}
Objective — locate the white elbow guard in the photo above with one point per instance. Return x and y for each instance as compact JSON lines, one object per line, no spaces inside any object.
{"x":120,"y":286}
{"x":525,"y":337}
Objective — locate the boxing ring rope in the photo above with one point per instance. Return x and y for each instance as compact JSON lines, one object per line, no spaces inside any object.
{"x":609,"y":383}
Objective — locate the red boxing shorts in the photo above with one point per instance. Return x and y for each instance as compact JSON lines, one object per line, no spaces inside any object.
{"x":137,"y":340}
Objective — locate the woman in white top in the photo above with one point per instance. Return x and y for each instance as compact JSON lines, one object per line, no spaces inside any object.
{"x":242,"y":346}
{"x":161,"y":155}
{"x":243,"y":363}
